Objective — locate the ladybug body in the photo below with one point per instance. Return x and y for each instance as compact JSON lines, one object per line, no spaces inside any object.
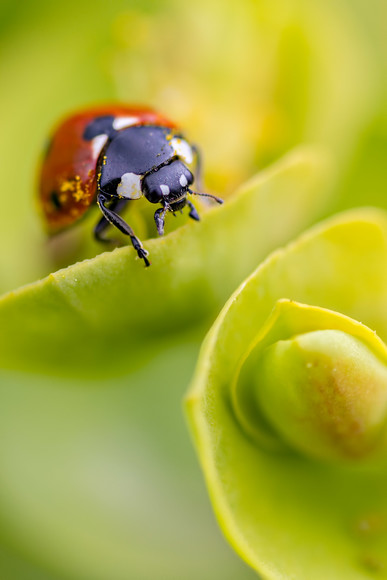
{"x":111,"y":155}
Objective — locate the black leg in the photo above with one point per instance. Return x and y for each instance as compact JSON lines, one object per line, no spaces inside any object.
{"x":193,"y":212}
{"x":160,"y":219}
{"x":121,"y":225}
{"x":117,"y":205}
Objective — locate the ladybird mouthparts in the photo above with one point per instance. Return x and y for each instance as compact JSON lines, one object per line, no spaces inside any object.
{"x":175,"y":198}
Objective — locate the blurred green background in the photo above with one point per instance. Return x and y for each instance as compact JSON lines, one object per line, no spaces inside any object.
{"x":95,"y":483}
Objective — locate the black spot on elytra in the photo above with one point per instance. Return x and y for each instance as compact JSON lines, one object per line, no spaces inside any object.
{"x":55,"y":200}
{"x":100,"y":126}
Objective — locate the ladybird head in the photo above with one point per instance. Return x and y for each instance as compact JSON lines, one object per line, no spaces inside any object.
{"x":168,"y":184}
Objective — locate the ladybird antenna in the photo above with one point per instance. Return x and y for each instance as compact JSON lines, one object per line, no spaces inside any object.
{"x":217,"y":199}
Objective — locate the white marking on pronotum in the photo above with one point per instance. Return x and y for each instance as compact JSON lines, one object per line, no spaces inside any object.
{"x":183,"y":180}
{"x":121,"y":122}
{"x":98,"y":143}
{"x":130,"y":186}
{"x":182,"y":149}
{"x":165,"y":190}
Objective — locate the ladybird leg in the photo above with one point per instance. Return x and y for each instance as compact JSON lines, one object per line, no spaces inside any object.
{"x":121,"y":225}
{"x":199,"y":167}
{"x":193,"y":211}
{"x":160,"y":219}
{"x":117,"y":205}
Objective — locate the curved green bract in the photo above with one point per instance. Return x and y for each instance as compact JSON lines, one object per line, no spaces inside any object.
{"x":290,"y":515}
{"x":319,"y":379}
{"x":97,"y":316}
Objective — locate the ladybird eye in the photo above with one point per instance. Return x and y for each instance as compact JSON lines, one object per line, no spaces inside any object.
{"x":55,"y":200}
{"x":154,"y":194}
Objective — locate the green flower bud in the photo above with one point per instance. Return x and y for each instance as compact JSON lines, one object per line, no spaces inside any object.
{"x":325,"y":393}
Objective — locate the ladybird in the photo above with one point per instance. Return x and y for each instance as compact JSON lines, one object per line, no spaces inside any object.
{"x":111,"y":155}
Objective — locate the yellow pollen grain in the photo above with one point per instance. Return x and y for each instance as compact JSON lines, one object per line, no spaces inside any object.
{"x":67,"y":185}
{"x":74,"y":187}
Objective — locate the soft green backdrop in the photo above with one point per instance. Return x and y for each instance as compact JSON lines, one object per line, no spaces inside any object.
{"x":248,"y":80}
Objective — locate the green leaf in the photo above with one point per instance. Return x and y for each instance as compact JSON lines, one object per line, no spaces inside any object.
{"x":286,"y":514}
{"x":108,"y":313}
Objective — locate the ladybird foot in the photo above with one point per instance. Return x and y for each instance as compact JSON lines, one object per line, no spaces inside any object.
{"x":160,"y":220}
{"x":143,"y":255}
{"x":141,"y":252}
{"x":193,"y":214}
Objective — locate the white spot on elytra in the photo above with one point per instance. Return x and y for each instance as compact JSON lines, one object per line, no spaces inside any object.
{"x":183,"y":180}
{"x":122,"y":122}
{"x":130,"y":186}
{"x":165,"y":189}
{"x":98,"y":143}
{"x":182,"y":149}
